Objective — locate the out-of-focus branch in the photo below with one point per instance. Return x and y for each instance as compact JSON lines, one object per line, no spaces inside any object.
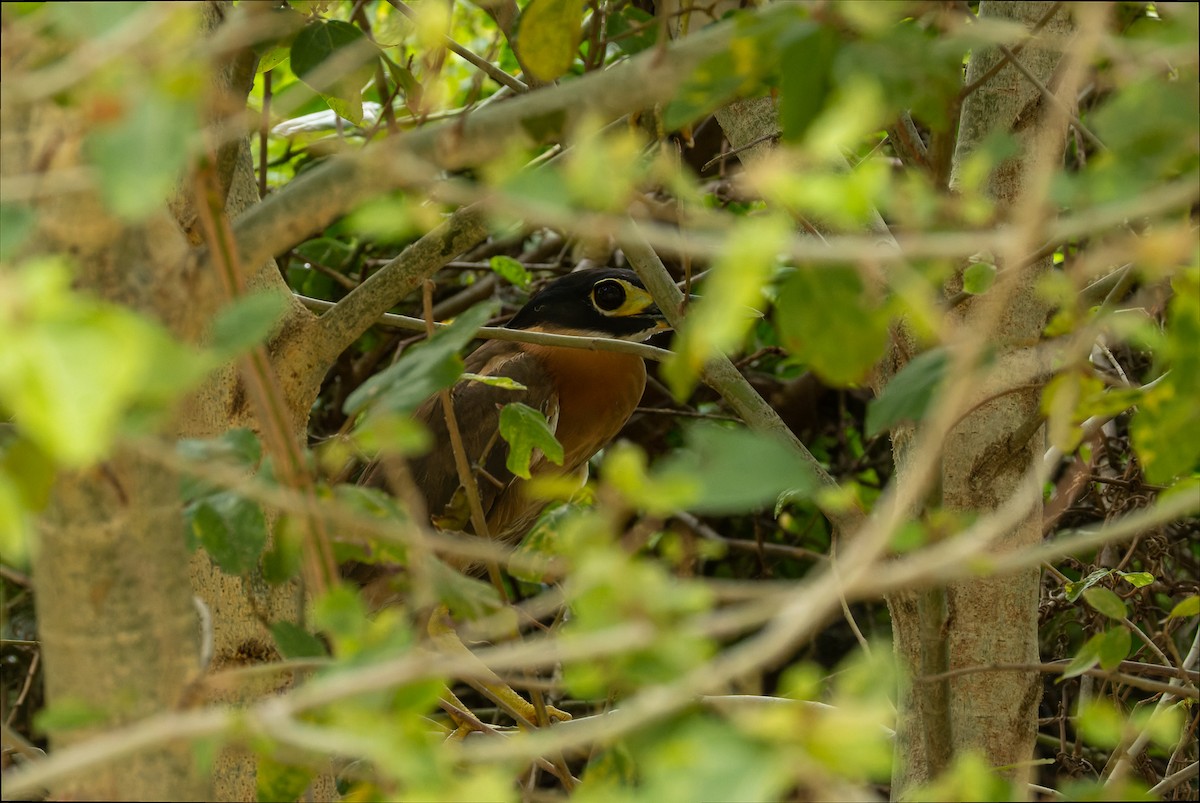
{"x":328,"y":191}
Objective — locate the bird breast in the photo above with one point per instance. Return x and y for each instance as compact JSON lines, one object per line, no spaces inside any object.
{"x":598,"y":392}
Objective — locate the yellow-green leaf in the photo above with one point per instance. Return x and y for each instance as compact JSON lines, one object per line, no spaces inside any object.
{"x":1106,"y":602}
{"x":1137,"y":579}
{"x":1188,"y":607}
{"x":1087,"y":657}
{"x":525,"y":429}
{"x":719,"y":320}
{"x":548,"y":36}
{"x":511,"y":271}
{"x":1113,"y":647}
{"x":827,"y":317}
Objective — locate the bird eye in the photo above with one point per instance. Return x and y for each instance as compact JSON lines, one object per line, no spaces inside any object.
{"x":608,"y":295}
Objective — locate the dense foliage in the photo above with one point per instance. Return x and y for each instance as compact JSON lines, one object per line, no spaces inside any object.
{"x":711,"y":609}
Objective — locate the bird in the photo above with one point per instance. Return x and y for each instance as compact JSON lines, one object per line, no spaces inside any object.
{"x":586,"y":396}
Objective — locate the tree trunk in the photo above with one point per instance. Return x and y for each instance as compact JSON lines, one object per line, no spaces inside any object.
{"x":118,"y":630}
{"x":991,"y":619}
{"x":112,"y":576}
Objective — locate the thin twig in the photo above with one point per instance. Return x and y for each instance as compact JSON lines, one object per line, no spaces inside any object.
{"x":1049,"y":95}
{"x":491,"y":70}
{"x":514,"y":335}
{"x":999,"y":65}
{"x":259,"y":379}
{"x":1059,"y":667}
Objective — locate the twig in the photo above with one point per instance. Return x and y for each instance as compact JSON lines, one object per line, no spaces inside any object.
{"x":1009,"y":54}
{"x":462,"y":463}
{"x":515,"y":335}
{"x":491,"y":70}
{"x":262,"y":387}
{"x":1174,"y":780}
{"x":723,"y":377}
{"x":1049,"y":95}
{"x":1059,"y":667}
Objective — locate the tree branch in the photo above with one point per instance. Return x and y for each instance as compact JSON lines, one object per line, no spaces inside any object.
{"x":328,"y":191}
{"x":345,"y":321}
{"x":722,"y":376}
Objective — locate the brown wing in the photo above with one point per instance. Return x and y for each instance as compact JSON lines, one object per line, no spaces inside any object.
{"x":477,"y":411}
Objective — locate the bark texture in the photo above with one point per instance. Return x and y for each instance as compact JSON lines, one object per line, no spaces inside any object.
{"x":992,"y":619}
{"x":118,"y":630}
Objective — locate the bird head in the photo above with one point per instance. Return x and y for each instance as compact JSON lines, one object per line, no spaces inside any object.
{"x":600,"y":302}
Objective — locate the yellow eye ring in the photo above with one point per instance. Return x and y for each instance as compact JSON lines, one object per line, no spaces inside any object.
{"x":608,"y":295}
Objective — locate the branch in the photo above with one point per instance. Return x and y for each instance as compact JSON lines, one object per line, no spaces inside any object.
{"x":365,"y":304}
{"x":514,"y":335}
{"x":722,"y":376}
{"x":491,"y":70}
{"x":328,"y":191}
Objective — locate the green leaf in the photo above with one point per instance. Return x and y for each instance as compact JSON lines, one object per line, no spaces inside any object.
{"x":246,"y":322}
{"x":548,"y":36}
{"x":540,"y":545}
{"x":504,"y":382}
{"x":906,"y":397}
{"x":1106,"y":602}
{"x":1113,"y":647}
{"x":1137,"y":579}
{"x":324,"y":43}
{"x":526,"y":429}
{"x":714,"y":83}
{"x":273,"y":58}
{"x":1065,"y":400}
{"x":238,"y":447}
{"x":913,"y":67}
{"x":1190,"y":606}
{"x":466,"y":597}
{"x":978,"y":278}
{"x":1075,"y":589}
{"x":408,"y":83}
{"x":68,"y":714}
{"x":736,"y":469}
{"x":348,"y":107}
{"x":719,"y":321}
{"x":806,"y":68}
{"x":16,"y":224}
{"x":31,"y":471}
{"x":625,"y":468}
{"x":319,"y":41}
{"x":76,"y":372}
{"x":296,"y":642}
{"x":632,"y":30}
{"x":282,"y":561}
{"x":511,"y":271}
{"x":1100,"y":723}
{"x":140,"y":157}
{"x":827,"y":319}
{"x":232,"y":530}
{"x":423,"y":370}
{"x":690,"y":759}
{"x":1163,"y":429}
{"x":340,"y":613}
{"x":1087,"y":657}
{"x":277,"y":781}
{"x":327,"y":251}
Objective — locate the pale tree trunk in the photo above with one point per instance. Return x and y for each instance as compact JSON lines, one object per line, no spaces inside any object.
{"x":113,"y":579}
{"x":117,"y":626}
{"x":991,"y":619}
